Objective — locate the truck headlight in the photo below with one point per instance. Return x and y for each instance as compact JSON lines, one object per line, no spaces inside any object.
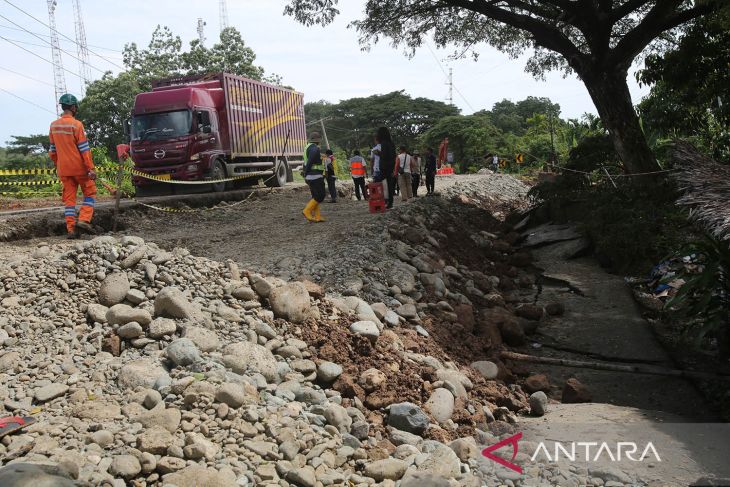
{"x":192,"y":167}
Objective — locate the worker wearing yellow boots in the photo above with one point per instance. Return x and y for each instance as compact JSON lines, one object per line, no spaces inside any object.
{"x":314,"y":176}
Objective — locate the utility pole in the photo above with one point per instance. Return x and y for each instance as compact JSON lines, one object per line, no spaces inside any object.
{"x":201,"y":32}
{"x":451,"y":86}
{"x":82,"y":48}
{"x":59,"y":81}
{"x":324,"y":134}
{"x":223,"y":14}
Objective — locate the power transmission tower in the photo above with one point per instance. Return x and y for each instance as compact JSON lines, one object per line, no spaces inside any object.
{"x":451,"y":86}
{"x":59,"y":81}
{"x":81,"y":47}
{"x":223,"y":14}
{"x":201,"y":32}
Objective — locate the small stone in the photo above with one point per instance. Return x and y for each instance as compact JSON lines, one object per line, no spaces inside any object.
{"x":388,"y":468}
{"x":368,"y":329}
{"x":135,"y":296}
{"x":206,"y":340}
{"x":372,"y":379}
{"x":125,"y":466}
{"x":408,"y":417}
{"x":440,"y":404}
{"x":234,"y":395}
{"x":538,"y":403}
{"x":96,"y":313}
{"x":114,"y":289}
{"x":488,"y":370}
{"x":130,"y":330}
{"x":291,"y":302}
{"x":575,"y":392}
{"x":407,"y":311}
{"x":337,"y":416}
{"x":121,"y":314}
{"x":183,"y":352}
{"x":152,"y":399}
{"x":302,"y":477}
{"x":328,"y":371}
{"x":537,"y":382}
{"x":161,"y":327}
{"x":51,"y":391}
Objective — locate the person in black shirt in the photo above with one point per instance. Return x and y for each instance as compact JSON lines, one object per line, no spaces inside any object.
{"x":387,"y":162}
{"x":430,"y":170}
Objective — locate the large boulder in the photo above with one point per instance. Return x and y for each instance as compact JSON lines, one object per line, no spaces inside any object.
{"x":140,"y":373}
{"x":113,"y":289}
{"x":171,"y":302}
{"x":244,"y":356}
{"x":291,"y":302}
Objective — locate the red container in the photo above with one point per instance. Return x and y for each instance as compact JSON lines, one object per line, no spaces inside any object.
{"x":376,"y":206}
{"x":375,"y":192}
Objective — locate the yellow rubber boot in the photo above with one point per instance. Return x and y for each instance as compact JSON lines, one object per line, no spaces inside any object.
{"x":317,"y":215}
{"x":308,"y":211}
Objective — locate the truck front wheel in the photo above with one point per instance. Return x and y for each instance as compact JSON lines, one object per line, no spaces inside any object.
{"x":281,"y":172}
{"x":218,"y":172}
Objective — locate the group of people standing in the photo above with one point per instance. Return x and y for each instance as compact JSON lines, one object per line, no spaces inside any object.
{"x":398,"y":172}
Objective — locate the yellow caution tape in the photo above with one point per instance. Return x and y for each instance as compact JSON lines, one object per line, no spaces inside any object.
{"x":28,"y":183}
{"x":167,"y":178}
{"x":26,"y":172}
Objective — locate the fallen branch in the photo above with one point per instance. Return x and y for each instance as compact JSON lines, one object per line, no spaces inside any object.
{"x":630,"y":369}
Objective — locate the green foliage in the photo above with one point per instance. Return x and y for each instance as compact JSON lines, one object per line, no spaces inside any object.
{"x":702,"y":304}
{"x":109,"y":100}
{"x":31,"y":145}
{"x":352,"y":123}
{"x":690,"y":95}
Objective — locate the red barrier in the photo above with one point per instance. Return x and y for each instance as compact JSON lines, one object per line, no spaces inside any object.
{"x":445,"y":171}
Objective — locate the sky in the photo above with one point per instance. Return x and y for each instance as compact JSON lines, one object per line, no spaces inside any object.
{"x":323,"y":63}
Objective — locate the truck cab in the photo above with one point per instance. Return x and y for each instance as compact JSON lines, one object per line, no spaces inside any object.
{"x":182,"y":130}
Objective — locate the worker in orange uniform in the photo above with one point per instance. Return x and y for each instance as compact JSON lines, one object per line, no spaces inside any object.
{"x":72,"y":156}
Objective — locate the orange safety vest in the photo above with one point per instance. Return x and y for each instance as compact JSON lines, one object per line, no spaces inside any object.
{"x":357,"y":168}
{"x":69,"y":148}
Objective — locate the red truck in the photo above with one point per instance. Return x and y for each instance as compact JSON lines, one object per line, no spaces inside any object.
{"x":213,"y":127}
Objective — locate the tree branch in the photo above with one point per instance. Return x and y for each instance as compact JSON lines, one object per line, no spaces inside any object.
{"x":544,"y":34}
{"x":661,"y":18}
{"x":627,"y":8}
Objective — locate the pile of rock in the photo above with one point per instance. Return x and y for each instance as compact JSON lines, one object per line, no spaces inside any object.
{"x":161,"y":368}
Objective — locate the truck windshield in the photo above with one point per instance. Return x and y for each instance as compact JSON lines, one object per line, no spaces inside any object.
{"x":154,"y":126}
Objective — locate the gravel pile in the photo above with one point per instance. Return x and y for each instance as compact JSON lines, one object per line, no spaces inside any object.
{"x":148,"y":367}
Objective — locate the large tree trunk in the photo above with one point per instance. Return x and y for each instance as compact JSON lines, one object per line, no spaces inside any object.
{"x":610,"y":94}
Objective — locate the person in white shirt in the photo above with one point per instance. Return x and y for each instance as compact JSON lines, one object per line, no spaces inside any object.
{"x":495,"y":163}
{"x":403,"y":164}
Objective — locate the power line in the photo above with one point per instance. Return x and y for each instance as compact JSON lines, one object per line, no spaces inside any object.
{"x":27,"y":101}
{"x":60,"y":33}
{"x":448,"y":76}
{"x":50,"y":44}
{"x":26,"y":76}
{"x":64,"y":40}
{"x":37,"y":55}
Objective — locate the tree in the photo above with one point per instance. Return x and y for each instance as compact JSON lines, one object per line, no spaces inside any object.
{"x":31,"y":145}
{"x":598,"y":40}
{"x":353,"y":122}
{"x":690,"y":94}
{"x":109,"y":100}
{"x":107,"y":105}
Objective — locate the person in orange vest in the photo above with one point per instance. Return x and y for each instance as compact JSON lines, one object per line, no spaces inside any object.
{"x":358,"y":172}
{"x":71,"y":155}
